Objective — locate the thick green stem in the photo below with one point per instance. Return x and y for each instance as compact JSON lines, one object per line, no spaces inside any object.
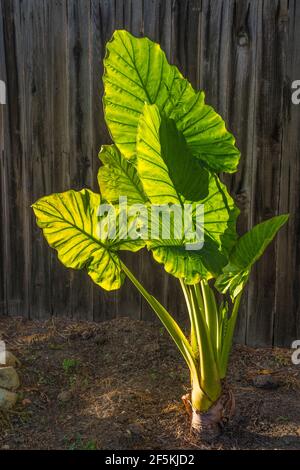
{"x":206,"y":385}
{"x":175,"y":332}
{"x":209,"y":374}
{"x":211,"y":315}
{"x":188,"y":301}
{"x":227,"y":341}
{"x":199,"y":298}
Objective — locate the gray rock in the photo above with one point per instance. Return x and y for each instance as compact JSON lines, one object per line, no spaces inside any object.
{"x":11,"y":360}
{"x":7,"y":399}
{"x":266,"y":382}
{"x":9,"y":378}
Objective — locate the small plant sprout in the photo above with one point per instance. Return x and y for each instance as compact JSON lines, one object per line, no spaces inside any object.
{"x":70,"y":365}
{"x":169,"y":147}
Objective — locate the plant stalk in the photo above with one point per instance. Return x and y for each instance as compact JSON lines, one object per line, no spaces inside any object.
{"x":209,"y":374}
{"x":175,"y":332}
{"x":227,"y":341}
{"x":188,"y":301}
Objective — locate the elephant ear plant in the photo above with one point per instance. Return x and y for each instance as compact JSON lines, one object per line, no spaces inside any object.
{"x":159,"y":189}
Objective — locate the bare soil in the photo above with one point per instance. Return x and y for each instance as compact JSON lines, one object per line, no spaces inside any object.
{"x":118,"y":385}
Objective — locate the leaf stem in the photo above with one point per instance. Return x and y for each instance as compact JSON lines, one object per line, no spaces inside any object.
{"x":209,"y":373}
{"x":170,"y":324}
{"x":227,"y":341}
{"x":211,"y":315}
{"x":188,"y":301}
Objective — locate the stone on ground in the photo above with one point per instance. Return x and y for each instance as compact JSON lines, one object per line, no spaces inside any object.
{"x":7,"y":399}
{"x":9,"y":378}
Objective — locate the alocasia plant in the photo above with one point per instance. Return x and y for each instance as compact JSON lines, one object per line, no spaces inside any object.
{"x":169,"y":147}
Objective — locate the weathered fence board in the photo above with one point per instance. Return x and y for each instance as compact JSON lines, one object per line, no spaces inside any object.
{"x":243,"y":53}
{"x":287,"y":306}
{"x":3,"y":117}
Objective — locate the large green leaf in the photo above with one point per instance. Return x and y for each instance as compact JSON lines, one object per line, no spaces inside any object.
{"x":206,"y":134}
{"x":69,"y":222}
{"x":220,"y":215}
{"x":152,"y":169}
{"x":167,"y":169}
{"x":190,"y":265}
{"x":137,"y":72}
{"x":189,"y":177}
{"x":248,"y":249}
{"x":185,"y":262}
{"x":118,"y":177}
{"x":162,"y":180}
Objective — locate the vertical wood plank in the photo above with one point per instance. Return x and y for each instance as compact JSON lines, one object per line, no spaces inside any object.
{"x":101,"y":29}
{"x":239,"y":109}
{"x":60,"y":157}
{"x":238,"y":105}
{"x":34,"y":52}
{"x":266,"y":171}
{"x":80,"y":131}
{"x":3,"y":192}
{"x":15,"y":238}
{"x":287,"y":306}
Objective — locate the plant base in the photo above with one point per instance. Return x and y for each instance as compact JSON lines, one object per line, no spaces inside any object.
{"x":208,"y":425}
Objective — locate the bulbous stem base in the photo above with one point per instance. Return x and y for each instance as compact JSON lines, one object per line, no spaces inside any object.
{"x":208,"y":425}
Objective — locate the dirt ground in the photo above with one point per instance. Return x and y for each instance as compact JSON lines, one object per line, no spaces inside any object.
{"x":117,"y":385}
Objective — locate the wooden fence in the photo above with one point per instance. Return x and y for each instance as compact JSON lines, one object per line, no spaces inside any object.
{"x":244,"y":54}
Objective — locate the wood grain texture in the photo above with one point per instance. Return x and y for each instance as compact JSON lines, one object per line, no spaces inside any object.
{"x":16,"y":236}
{"x":287,"y":306}
{"x":3,"y":208}
{"x":61,"y":153}
{"x":243,"y":53}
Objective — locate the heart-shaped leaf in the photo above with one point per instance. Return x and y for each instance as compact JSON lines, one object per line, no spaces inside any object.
{"x":70,"y":224}
{"x":206,"y":134}
{"x":163,"y":178}
{"x":137,"y":72}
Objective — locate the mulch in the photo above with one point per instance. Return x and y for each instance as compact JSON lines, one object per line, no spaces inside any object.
{"x":118,"y":385}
